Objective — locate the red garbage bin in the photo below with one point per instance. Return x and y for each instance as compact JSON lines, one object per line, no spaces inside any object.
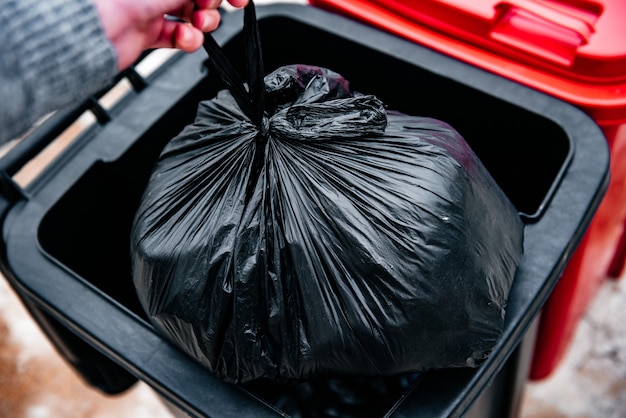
{"x":574,"y":50}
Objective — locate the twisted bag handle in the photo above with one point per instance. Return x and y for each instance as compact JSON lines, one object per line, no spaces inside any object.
{"x":339,"y":118}
{"x":251,"y":101}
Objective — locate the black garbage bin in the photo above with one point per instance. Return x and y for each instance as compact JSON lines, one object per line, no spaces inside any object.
{"x":65,"y":237}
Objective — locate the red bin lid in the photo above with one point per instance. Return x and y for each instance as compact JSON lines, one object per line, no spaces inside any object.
{"x":572,"y":49}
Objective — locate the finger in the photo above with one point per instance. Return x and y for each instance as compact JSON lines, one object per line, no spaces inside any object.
{"x":206,"y":20}
{"x":187,"y":11}
{"x":208,"y":4}
{"x":184,"y":12}
{"x":187,"y":38}
{"x":179,"y":35}
{"x":238,"y":3}
{"x":214,"y":4}
{"x":165,"y":38}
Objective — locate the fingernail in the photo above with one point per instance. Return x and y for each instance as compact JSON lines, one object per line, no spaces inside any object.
{"x":209,"y":22}
{"x":186,"y":36}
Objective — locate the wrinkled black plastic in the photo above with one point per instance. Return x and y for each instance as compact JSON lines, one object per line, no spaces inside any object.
{"x":326,"y":237}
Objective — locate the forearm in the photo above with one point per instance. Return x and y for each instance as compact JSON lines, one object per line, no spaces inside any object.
{"x":52,"y":52}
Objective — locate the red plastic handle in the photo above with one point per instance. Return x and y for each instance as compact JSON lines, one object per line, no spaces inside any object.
{"x":548,"y":32}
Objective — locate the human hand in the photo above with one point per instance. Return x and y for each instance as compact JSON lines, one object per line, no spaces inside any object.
{"x":135,"y":25}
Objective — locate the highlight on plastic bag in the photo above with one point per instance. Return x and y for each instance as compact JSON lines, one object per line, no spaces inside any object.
{"x":299,"y":229}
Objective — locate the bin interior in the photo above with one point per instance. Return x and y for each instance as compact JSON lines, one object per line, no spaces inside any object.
{"x":88,"y":229}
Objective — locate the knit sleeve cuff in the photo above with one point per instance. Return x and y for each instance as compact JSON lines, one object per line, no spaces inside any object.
{"x":56,"y":52}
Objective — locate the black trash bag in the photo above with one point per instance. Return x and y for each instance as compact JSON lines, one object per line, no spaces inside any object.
{"x":297,"y":229}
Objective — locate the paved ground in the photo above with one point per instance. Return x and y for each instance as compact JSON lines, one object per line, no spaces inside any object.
{"x":591,"y":381}
{"x":36,"y":383}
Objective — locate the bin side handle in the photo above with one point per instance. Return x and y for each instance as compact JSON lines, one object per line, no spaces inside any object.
{"x":28,"y":148}
{"x":544,"y":31}
{"x":10,"y":193}
{"x":39,"y":138}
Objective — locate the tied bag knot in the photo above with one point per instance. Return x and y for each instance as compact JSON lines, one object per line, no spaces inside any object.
{"x":339,"y":118}
{"x":309,"y":103}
